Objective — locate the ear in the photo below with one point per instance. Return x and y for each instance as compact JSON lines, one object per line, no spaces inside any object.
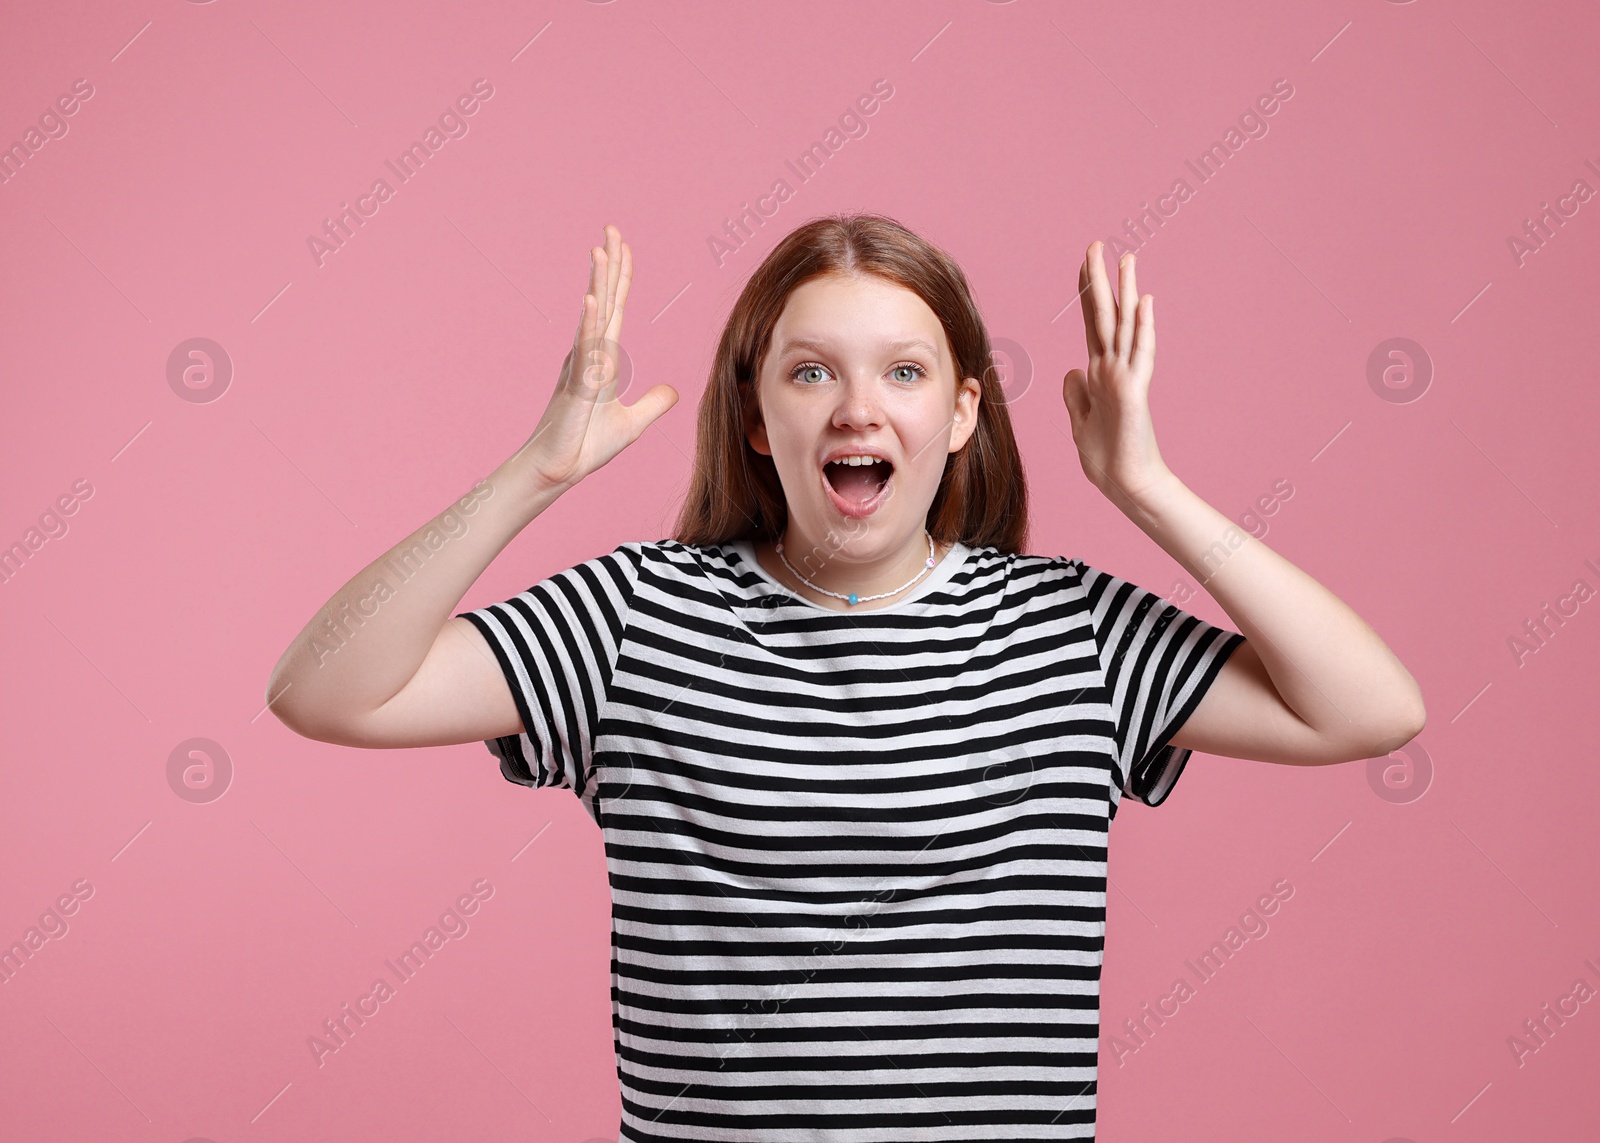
{"x":756,"y":433}
{"x":964,"y":420}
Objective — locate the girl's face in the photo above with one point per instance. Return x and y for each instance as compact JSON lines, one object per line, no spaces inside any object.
{"x":859,"y":366}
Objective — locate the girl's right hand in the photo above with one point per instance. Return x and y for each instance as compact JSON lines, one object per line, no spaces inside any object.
{"x":585,"y":423}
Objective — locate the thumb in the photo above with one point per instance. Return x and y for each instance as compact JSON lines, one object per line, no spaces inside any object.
{"x":1074,"y":392}
{"x":651,"y":405}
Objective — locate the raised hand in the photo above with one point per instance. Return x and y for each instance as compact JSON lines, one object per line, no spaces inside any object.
{"x":585,"y":423}
{"x":1109,"y":403}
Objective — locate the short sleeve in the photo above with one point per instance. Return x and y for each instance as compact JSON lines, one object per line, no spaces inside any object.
{"x":557,"y":643}
{"x":1159,"y":661}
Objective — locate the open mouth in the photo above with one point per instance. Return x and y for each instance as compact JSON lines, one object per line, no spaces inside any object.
{"x":857,"y":485}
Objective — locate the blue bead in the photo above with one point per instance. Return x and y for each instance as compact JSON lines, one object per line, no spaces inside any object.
{"x":854,"y":599}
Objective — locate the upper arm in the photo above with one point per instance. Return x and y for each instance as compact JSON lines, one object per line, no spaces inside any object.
{"x":1243,"y":716}
{"x":526,"y":676}
{"x":458,"y":694}
{"x":1157,"y":663}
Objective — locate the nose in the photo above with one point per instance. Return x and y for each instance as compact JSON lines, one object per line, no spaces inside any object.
{"x":859,"y":407}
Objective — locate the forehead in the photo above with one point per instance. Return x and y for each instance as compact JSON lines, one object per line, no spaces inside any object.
{"x":859,"y":312}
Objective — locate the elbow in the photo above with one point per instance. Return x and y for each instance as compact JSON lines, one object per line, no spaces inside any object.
{"x":291,"y":710}
{"x":1419,"y":719}
{"x":1385,"y":738}
{"x":283,"y":708}
{"x":318,"y":720}
{"x":1416,"y":713}
{"x":307,"y":725}
{"x":280,"y":696}
{"x":1409,"y":723}
{"x":1402,"y":722}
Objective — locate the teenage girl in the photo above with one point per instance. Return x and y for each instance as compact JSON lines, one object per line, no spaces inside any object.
{"x":853,"y":754}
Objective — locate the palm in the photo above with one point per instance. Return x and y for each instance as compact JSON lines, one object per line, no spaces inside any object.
{"x":586,"y":424}
{"x":1109,"y":402}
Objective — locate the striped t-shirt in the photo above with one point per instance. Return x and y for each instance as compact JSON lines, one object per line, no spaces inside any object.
{"x":857,"y":859}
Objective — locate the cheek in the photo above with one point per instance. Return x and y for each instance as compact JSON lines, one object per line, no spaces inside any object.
{"x":792,"y":445}
{"x":795,"y":426}
{"x":925,"y":438}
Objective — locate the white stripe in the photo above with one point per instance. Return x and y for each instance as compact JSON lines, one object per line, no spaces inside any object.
{"x":827,"y":828}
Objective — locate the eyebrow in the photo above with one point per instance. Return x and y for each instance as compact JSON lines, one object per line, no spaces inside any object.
{"x":820,"y":346}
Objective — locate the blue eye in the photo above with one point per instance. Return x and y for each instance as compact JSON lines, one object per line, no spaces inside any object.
{"x":917,"y":371}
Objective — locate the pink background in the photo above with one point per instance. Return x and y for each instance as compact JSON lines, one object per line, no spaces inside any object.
{"x":370,"y":392}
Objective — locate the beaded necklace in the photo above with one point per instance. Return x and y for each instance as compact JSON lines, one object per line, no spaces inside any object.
{"x":852,"y":598}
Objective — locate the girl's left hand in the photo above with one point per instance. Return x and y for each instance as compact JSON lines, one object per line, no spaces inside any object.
{"x":1109,"y":404}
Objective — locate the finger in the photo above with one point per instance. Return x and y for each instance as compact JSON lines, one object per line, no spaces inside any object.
{"x":624,"y":280}
{"x":588,"y":290}
{"x":1076,"y":397}
{"x":1105,"y":325}
{"x":596,"y":287}
{"x":578,"y":337}
{"x":613,"y":269}
{"x":597,"y":283}
{"x":648,"y":407}
{"x":1127,"y":305}
{"x":1144,"y":337}
{"x":590,"y":369}
{"x":586,"y":324}
{"x":587,"y":362}
{"x":1085,"y":303}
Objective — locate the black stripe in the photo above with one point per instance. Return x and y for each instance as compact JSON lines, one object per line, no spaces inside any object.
{"x":857,"y":860}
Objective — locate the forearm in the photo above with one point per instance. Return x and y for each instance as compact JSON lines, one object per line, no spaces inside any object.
{"x":368,"y":640}
{"x":1326,"y":663}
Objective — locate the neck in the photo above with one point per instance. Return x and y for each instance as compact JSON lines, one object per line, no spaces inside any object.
{"x":833,"y":564}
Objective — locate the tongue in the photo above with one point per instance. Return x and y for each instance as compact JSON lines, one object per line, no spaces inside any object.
{"x":855,"y":483}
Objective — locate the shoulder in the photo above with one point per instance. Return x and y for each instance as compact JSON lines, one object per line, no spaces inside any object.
{"x":1044,"y":567}
{"x":1106,"y":591}
{"x":668,"y":556}
{"x":1024,"y":571}
{"x":665,"y":563}
{"x":1039,"y":585}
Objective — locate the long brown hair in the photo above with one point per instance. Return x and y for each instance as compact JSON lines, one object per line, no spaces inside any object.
{"x":735,"y":492}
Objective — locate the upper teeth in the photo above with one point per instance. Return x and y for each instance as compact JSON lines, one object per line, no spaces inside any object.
{"x":856,"y":460}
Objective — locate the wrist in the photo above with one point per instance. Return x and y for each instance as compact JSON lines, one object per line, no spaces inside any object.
{"x":1134,"y":485}
{"x":525,"y":486}
{"x":1146,"y":500}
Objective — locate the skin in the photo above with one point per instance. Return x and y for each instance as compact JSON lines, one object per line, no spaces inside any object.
{"x":1312,"y":683}
{"x":412,"y":674}
{"x":858,"y":391}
